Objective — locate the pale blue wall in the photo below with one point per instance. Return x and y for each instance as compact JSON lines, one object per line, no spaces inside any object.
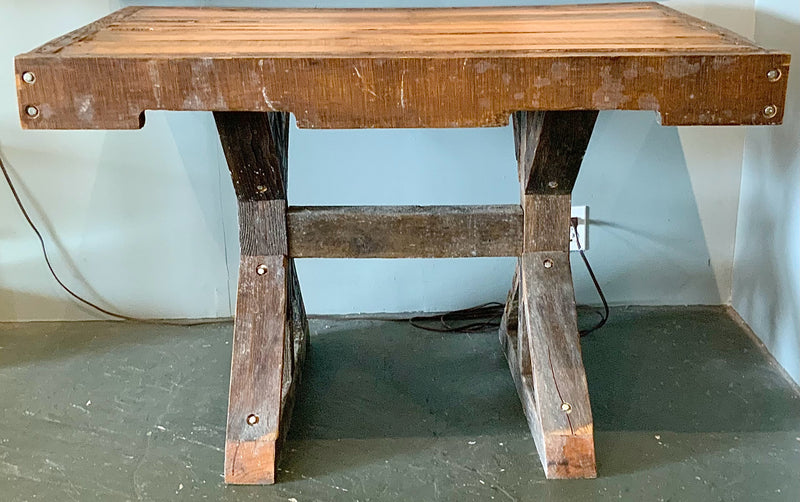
{"x":766,"y":289}
{"x":146,"y":220}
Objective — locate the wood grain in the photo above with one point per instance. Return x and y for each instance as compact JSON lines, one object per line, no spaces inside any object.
{"x":255,"y":147}
{"x":543,"y":349}
{"x":549,"y":148}
{"x":355,"y":68}
{"x":547,"y":310}
{"x":386,"y":32}
{"x":294,"y":355}
{"x":551,"y":152}
{"x":405,"y":231}
{"x":270,"y":329}
{"x":256,"y":371}
{"x":546,"y":222}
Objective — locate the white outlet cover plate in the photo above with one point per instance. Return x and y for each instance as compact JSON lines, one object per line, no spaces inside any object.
{"x":582,"y":213}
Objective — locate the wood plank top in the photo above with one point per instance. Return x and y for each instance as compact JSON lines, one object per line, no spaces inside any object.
{"x":425,"y":67}
{"x":447,"y":32}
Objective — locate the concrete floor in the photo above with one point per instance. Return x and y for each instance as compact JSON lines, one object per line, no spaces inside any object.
{"x":686,"y":407}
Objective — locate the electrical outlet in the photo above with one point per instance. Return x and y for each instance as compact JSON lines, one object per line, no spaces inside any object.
{"x":582,"y":214}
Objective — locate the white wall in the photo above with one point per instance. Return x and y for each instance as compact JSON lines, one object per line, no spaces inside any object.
{"x":146,"y":220}
{"x":766,"y":288}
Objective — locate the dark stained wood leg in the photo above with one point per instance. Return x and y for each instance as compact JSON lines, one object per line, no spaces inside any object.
{"x":270,"y":330}
{"x":562,"y":417}
{"x":544,"y":354}
{"x":295,"y":347}
{"x":508,"y":323}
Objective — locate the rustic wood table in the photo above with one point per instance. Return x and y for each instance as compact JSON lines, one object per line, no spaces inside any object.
{"x":550,"y":68}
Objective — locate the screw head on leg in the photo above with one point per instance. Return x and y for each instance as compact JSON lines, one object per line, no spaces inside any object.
{"x":548,"y":263}
{"x":262,"y":269}
{"x":252,"y":419}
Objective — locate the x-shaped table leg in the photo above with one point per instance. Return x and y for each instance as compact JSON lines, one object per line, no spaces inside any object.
{"x":539,"y":330}
{"x":270,"y":331}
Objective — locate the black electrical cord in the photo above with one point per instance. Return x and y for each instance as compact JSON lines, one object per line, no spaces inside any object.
{"x":65,"y":287}
{"x":603,"y":318}
{"x":489,"y":315}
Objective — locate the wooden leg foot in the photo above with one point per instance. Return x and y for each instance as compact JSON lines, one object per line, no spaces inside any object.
{"x":257,"y":370}
{"x":544,"y":357}
{"x":250,"y":462}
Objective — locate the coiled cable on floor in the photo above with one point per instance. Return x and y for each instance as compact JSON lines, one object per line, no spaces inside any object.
{"x":489,"y":315}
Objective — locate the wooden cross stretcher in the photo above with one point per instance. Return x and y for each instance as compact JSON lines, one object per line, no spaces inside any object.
{"x":550,"y":68}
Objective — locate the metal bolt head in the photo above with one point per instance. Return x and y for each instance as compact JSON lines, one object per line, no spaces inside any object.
{"x":552,"y":184}
{"x":252,"y":419}
{"x":774,"y":75}
{"x":28,"y":77}
{"x":548,"y":263}
{"x":262,"y":269}
{"x":566,"y":408}
{"x":261,"y":189}
{"x":31,"y":111}
{"x":770,"y":111}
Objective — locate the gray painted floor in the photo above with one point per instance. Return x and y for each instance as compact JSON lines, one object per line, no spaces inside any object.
{"x":686,"y":407}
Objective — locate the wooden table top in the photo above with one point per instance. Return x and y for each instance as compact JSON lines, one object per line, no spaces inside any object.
{"x":449,"y":67}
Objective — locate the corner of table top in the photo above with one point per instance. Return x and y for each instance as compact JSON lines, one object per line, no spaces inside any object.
{"x":729,"y":35}
{"x":57,"y":44}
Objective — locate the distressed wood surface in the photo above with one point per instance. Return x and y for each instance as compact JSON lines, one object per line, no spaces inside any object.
{"x":543,"y":348}
{"x":565,"y":443}
{"x":546,"y":222}
{"x":549,"y":148}
{"x":552,"y":150}
{"x":405,"y":231}
{"x":270,"y":329}
{"x":294,"y":354}
{"x":385,"y":32}
{"x":511,"y":334}
{"x":514,"y":341}
{"x":256,"y":371}
{"x":255,"y":146}
{"x":355,"y":68}
{"x":561,"y":396}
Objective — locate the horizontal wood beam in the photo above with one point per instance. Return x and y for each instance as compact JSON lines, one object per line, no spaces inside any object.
{"x":405,"y":231}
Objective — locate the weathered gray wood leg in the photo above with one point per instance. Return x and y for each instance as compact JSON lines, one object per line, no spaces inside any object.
{"x":270,"y":330}
{"x":543,"y":348}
